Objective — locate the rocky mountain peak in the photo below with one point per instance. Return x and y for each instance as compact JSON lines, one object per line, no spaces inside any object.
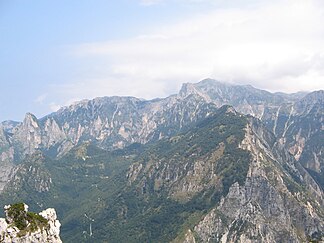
{"x":316,"y":95}
{"x":187,"y":89}
{"x":30,"y":121}
{"x":308,"y":102}
{"x":212,"y":84}
{"x":190,"y":89}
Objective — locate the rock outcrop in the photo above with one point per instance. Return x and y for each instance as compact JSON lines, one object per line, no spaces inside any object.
{"x":21,"y":226}
{"x":271,"y":206}
{"x":116,"y":122}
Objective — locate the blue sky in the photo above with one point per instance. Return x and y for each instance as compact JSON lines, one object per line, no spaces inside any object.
{"x":56,"y":52}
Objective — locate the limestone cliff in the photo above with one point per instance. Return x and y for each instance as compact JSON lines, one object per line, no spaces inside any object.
{"x":272,"y":204}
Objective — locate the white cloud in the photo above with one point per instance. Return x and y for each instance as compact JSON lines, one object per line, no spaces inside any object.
{"x":54,"y":107}
{"x":222,"y":3}
{"x":41,"y":98}
{"x":275,"y":45}
{"x":149,"y":2}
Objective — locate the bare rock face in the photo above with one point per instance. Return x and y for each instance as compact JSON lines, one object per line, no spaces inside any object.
{"x":226,"y":178}
{"x":269,"y":207}
{"x":28,"y":136}
{"x":54,"y":224}
{"x":6,"y":157}
{"x":22,"y":226}
{"x":32,"y":174}
{"x":109,"y":123}
{"x":7,"y":171}
{"x":189,"y":237}
{"x":296,"y":119}
{"x":115,"y":122}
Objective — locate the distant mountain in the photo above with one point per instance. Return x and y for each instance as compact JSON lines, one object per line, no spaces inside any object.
{"x":214,"y":163}
{"x":110,"y":123}
{"x":223,"y":178}
{"x":304,"y":133}
{"x":244,"y":98}
{"x":115,"y":122}
{"x":296,"y":119}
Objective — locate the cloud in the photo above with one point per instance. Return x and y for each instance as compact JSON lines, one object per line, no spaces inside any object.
{"x":54,"y":107}
{"x":221,"y":3}
{"x":149,"y":2}
{"x":40,"y":99}
{"x":275,"y":45}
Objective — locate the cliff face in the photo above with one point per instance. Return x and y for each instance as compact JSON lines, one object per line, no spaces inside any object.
{"x":22,"y":226}
{"x":296,"y":119}
{"x":266,"y":195}
{"x":110,"y":123}
{"x":304,"y":134}
{"x":271,"y":205}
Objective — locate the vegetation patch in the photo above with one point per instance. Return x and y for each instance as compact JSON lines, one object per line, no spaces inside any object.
{"x":25,"y":221}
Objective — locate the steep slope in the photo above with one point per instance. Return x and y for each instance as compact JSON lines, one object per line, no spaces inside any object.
{"x":115,"y":122}
{"x":244,"y":98}
{"x":7,"y":168}
{"x":110,"y":123}
{"x":225,"y":177}
{"x":278,"y":202}
{"x":295,"y":119}
{"x":174,"y":169}
{"x":265,"y":195}
{"x":304,"y":134}
{"x":75,"y":185}
{"x":119,"y":121}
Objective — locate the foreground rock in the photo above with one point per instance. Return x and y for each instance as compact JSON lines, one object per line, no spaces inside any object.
{"x":23,"y":226}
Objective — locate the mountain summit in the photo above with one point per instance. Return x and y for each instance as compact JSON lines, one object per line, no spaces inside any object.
{"x":215,"y":163}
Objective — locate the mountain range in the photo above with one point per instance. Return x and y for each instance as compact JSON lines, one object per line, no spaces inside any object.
{"x":214,"y":163}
